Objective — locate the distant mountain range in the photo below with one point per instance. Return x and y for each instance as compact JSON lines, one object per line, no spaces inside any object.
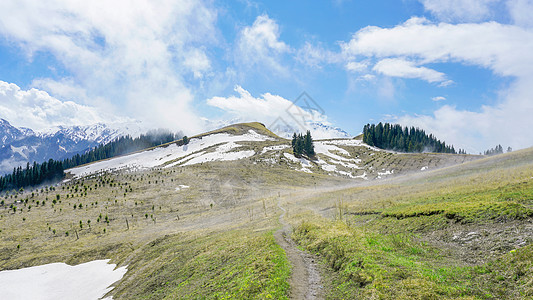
{"x":21,"y":145}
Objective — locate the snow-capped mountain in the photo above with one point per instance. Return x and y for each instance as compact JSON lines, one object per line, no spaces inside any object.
{"x":22,"y":145}
{"x":9,"y":133}
{"x":318,"y":130}
{"x":285,"y":129}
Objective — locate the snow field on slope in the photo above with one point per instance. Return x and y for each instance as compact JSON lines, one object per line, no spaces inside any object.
{"x":161,"y":155}
{"x":87,"y":281}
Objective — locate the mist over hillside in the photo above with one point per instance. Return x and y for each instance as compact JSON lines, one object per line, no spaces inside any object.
{"x":260,"y":149}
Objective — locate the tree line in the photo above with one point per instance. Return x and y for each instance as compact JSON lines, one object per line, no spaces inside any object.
{"x":54,"y":169}
{"x":403,"y":139}
{"x":303,"y":144}
{"x":496,"y":150}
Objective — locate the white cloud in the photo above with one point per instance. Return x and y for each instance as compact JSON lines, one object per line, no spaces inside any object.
{"x":367,"y":77}
{"x":133,"y":53}
{"x":521,"y":11}
{"x":353,"y":66}
{"x":197,"y":61}
{"x":478,"y":131}
{"x":460,"y":10}
{"x":38,"y":110}
{"x":397,"y":67}
{"x":506,"y":50}
{"x":316,"y":56}
{"x":438,"y":98}
{"x":259,"y":44}
{"x":273,"y":111}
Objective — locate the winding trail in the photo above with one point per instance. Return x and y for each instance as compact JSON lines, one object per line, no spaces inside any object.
{"x":305,"y":278}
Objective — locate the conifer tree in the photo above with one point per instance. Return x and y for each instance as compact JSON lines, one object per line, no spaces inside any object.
{"x":308,"y":144}
{"x":303,"y":145}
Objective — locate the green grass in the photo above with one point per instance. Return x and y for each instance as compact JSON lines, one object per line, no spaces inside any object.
{"x":451,"y":234}
{"x":231,"y":265}
{"x":503,"y":203}
{"x":391,"y":266}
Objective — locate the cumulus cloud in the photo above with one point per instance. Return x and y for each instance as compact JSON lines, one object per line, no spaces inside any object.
{"x":478,"y":131}
{"x":279,"y":114}
{"x":134,"y":54}
{"x":396,"y":67}
{"x":506,"y":50}
{"x":259,"y":45}
{"x":38,"y":110}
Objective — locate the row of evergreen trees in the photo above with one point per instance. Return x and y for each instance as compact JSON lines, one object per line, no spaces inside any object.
{"x":32,"y":175}
{"x":54,"y":169}
{"x":496,"y":150}
{"x":303,"y":145}
{"x":404,"y":139}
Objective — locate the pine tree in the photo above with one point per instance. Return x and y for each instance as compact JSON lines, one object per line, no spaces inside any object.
{"x":309,"y":149}
{"x":299,"y":146}
{"x":303,"y":145}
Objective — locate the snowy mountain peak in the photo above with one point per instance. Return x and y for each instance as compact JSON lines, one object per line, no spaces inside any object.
{"x":9,"y":133}
{"x":21,"y":145}
{"x":319,"y":130}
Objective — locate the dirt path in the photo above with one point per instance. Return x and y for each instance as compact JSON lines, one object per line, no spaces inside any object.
{"x":305,"y":279}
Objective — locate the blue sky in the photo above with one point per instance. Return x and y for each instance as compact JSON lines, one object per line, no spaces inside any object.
{"x":460,"y":69}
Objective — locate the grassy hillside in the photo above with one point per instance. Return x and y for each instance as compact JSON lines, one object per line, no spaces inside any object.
{"x":185,"y":232}
{"x":462,"y":232}
{"x":206,"y":230}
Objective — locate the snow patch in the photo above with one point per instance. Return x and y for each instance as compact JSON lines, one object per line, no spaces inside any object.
{"x":304,"y":162}
{"x":326,"y":148}
{"x":351,"y":143}
{"x":181,"y":187}
{"x":345,"y":164}
{"x":274,"y":148}
{"x":20,"y":151}
{"x":91,"y":280}
{"x":327,"y":167}
{"x":362,"y":176}
{"x":220,"y":156}
{"x":387,"y":172}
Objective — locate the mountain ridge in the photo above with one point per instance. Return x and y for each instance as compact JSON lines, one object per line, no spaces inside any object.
{"x":24,"y":145}
{"x":252,"y":143}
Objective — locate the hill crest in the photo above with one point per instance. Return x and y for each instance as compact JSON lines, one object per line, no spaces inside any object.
{"x":253,"y":145}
